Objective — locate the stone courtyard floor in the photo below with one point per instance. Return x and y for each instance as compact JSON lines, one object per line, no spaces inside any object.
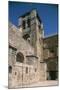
{"x":41,"y":84}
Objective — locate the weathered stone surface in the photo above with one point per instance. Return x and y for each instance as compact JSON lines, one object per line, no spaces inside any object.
{"x":31,"y":66}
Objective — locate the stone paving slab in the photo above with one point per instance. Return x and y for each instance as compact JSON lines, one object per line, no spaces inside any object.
{"x":41,"y":84}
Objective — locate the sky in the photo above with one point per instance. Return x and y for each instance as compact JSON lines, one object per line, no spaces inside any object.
{"x":48,"y":13}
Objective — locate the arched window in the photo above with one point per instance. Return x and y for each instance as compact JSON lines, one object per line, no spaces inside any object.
{"x":20,"y":57}
{"x":28,"y":22}
{"x":23,"y":24}
{"x":10,"y":69}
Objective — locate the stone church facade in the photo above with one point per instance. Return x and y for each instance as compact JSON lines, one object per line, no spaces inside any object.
{"x":31,"y":56}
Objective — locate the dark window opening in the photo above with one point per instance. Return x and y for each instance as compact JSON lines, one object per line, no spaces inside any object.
{"x":26,"y":36}
{"x":28,"y":22}
{"x":52,"y":75}
{"x":52,"y":51}
{"x":35,"y":69}
{"x":20,"y":57}
{"x":15,"y":73}
{"x":39,"y":27}
{"x":10,"y":69}
{"x":26,"y":69}
{"x":13,"y":48}
{"x":23,"y":24}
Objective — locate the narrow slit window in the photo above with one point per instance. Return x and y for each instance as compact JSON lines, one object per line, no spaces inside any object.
{"x":28,"y":22}
{"x":23,"y":24}
{"x":26,"y":69}
{"x":10,"y":69}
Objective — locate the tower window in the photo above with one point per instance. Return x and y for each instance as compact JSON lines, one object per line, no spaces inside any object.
{"x":39,"y":27}
{"x":23,"y":24}
{"x":28,"y":22}
{"x":10,"y":69}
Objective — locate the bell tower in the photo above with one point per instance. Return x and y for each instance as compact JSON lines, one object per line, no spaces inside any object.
{"x":32,"y":31}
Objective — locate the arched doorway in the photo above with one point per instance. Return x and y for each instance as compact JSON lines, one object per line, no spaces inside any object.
{"x":20,"y":57}
{"x":52,"y":70}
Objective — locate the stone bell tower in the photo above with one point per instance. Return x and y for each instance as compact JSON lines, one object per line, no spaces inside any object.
{"x":32,"y":32}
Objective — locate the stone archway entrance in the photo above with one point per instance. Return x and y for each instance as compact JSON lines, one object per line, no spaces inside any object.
{"x":52,"y":75}
{"x":20,"y":60}
{"x":52,"y":70}
{"x":20,"y":57}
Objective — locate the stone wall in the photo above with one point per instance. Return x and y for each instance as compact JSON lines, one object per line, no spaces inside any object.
{"x":32,"y":67}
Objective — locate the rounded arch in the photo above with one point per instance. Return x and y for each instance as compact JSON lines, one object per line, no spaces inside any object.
{"x":20,"y":57}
